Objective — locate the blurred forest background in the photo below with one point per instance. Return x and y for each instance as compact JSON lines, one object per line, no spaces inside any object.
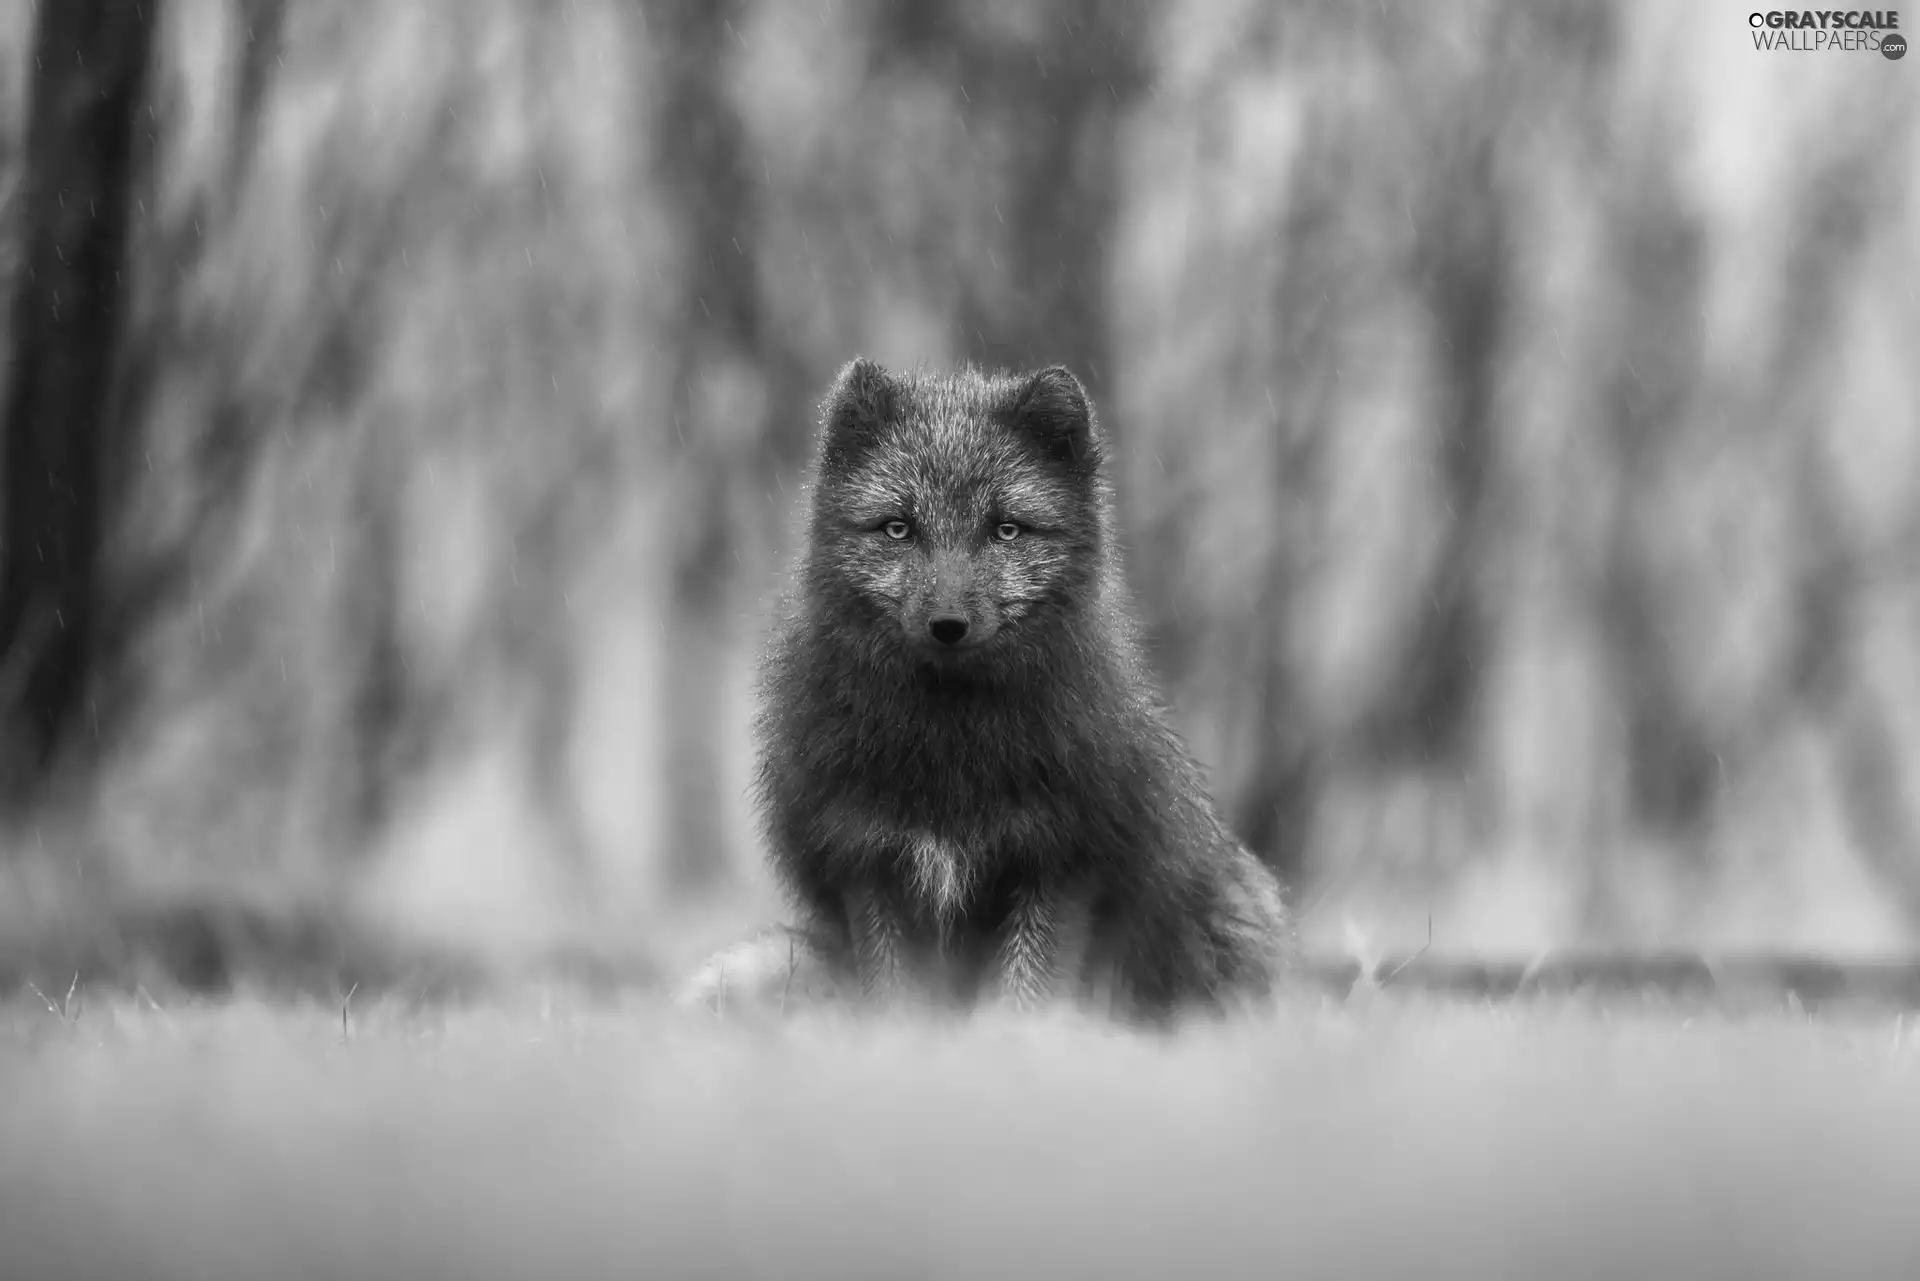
{"x":1514,"y":402}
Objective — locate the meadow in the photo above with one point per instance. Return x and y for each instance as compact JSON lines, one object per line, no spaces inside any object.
{"x":545,"y":1134}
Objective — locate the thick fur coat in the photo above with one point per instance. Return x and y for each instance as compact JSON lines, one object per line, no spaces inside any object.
{"x":968,"y":782}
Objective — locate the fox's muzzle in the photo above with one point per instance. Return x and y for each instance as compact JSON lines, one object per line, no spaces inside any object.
{"x":948,"y":620}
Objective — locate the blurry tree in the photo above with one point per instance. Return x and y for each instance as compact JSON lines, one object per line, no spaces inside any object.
{"x":1273,"y":811}
{"x":1835,"y":575}
{"x":1651,"y":367}
{"x":1459,"y":269}
{"x":262,"y":27}
{"x":62,"y":418}
{"x":169,"y":333}
{"x":1043,"y":88}
{"x":717,"y":440}
{"x":218,"y":385}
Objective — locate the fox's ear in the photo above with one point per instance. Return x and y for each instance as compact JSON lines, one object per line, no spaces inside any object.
{"x":858,"y":405}
{"x":1052,"y":408}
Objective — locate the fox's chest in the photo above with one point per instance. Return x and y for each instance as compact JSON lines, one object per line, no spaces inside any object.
{"x":944,"y":865}
{"x":942,"y":874}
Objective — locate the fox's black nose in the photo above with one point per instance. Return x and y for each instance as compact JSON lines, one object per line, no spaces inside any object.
{"x":948,"y":629}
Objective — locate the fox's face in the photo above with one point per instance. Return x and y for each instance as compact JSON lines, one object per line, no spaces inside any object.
{"x":956,"y":512}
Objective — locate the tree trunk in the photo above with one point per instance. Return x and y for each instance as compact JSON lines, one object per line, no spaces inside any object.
{"x":91,"y":61}
{"x":1057,"y":103}
{"x":718,"y":347}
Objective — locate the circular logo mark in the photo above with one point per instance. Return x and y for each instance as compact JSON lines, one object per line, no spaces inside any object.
{"x":1894,"y":46}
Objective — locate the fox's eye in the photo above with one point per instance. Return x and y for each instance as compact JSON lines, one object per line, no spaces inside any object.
{"x":897,"y":529}
{"x":1006,"y":531}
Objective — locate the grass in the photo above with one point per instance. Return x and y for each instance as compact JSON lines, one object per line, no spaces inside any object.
{"x":541,"y":1136}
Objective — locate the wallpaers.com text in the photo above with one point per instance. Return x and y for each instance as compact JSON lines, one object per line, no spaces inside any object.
{"x":1823,"y":29}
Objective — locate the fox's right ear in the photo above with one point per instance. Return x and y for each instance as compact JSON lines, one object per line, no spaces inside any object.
{"x":858,"y":406}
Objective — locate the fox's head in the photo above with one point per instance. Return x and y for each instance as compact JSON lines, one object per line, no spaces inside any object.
{"x":954,"y":514}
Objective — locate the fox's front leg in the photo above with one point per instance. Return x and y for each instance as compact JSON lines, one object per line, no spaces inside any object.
{"x":879,"y":944}
{"x":1043,"y":947}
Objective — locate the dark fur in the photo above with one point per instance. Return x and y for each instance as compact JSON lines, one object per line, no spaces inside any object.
{"x":1086,"y":854}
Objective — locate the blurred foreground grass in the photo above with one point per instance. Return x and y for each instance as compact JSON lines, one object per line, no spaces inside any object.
{"x":542,"y":1136}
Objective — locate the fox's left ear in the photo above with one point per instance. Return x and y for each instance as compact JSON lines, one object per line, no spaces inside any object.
{"x":1053,"y":408}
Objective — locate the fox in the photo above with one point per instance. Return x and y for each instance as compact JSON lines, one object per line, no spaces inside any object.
{"x":968,"y":782}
